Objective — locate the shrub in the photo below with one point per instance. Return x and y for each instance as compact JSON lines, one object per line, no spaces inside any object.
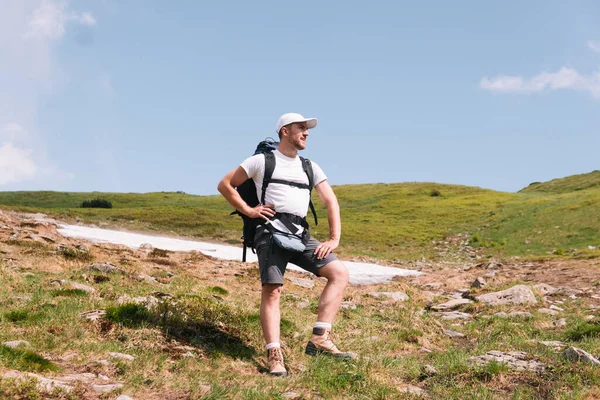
{"x":96,"y":203}
{"x":435,"y":193}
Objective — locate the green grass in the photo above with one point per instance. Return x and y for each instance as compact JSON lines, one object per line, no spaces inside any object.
{"x":384,"y":221}
{"x":25,"y":360}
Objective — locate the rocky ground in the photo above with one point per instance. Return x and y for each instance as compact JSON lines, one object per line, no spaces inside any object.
{"x":454,"y":293}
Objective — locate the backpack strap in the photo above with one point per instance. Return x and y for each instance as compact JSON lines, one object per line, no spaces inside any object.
{"x":308,"y":170}
{"x":269,"y":168}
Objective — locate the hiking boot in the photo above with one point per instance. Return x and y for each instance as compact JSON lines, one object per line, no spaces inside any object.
{"x":275,"y":362}
{"x":321,"y":343}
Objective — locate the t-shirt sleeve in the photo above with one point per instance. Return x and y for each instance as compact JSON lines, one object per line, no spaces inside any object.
{"x":318,"y":173}
{"x":254,"y":165}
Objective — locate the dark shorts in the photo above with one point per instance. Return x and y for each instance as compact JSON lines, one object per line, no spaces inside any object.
{"x":272,"y":260}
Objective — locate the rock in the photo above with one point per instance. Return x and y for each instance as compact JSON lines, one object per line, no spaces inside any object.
{"x":93,"y":315}
{"x":146,"y":246}
{"x":428,"y":370}
{"x":396,"y":296}
{"x":560,"y":323}
{"x":291,"y":396}
{"x":520,"y":314}
{"x":547,"y":311}
{"x":44,"y":384}
{"x":452,"y":304}
{"x":188,"y":354}
{"x":544,"y":289}
{"x":302,"y":282}
{"x":106,"y":268}
{"x":21,"y":298}
{"x":575,"y":354}
{"x":303,"y":304}
{"x":453,"y":334}
{"x":479,"y":282}
{"x":107,"y":388}
{"x":83,"y":287}
{"x":516,"y":360}
{"x":591,"y":247}
{"x":147,"y":278}
{"x":414,"y":390}
{"x":553,"y":343}
{"x":432,"y":286}
{"x":555,"y":308}
{"x":124,"y":397}
{"x":121,"y":356}
{"x":347,"y":305}
{"x":519,"y":294}
{"x":452,"y":315}
{"x":17,"y":343}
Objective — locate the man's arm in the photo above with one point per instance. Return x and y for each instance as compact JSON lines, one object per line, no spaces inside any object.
{"x":329,"y":199}
{"x":227,"y":187}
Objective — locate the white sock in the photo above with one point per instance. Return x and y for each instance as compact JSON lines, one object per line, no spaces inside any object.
{"x":274,"y":344}
{"x":326,"y":325}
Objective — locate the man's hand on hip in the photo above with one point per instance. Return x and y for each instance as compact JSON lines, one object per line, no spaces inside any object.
{"x":262,"y":211}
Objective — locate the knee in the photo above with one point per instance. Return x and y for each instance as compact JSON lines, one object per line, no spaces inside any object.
{"x":338,"y":273}
{"x":271,"y":293}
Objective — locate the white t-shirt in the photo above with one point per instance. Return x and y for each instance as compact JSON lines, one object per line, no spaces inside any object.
{"x":285,"y":198}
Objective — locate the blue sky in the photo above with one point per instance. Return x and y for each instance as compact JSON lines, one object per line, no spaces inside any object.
{"x":144,"y":96}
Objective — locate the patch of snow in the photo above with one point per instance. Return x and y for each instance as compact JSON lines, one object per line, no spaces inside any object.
{"x":360,"y":273}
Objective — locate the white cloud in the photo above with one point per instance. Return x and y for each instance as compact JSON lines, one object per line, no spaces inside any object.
{"x":49,"y":20}
{"x":16,"y":164}
{"x":565,"y":78}
{"x":29,"y":31}
{"x":594,"y":45}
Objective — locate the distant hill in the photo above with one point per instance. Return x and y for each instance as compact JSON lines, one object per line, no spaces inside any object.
{"x":565,"y":185}
{"x":400,"y":221}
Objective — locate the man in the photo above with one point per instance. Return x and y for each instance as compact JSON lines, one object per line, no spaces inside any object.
{"x":281,"y":200}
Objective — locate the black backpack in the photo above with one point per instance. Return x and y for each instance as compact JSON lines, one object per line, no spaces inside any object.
{"x":247,"y":191}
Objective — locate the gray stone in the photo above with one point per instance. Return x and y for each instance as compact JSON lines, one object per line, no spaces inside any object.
{"x":106,"y":268}
{"x":553,"y":343}
{"x":560,"y":323}
{"x":396,"y":296}
{"x":452,"y":315}
{"x":302,"y":282}
{"x":21,"y":298}
{"x":520,"y":314}
{"x":17,"y":343}
{"x":83,"y":287}
{"x":547,"y":311}
{"x":108,"y":388}
{"x":576,"y":354}
{"x":544,"y":289}
{"x":414,"y":390}
{"x":146,"y":246}
{"x":516,"y":360}
{"x":479,"y":282}
{"x":433,"y":286}
{"x":347,"y":305}
{"x":291,"y":395}
{"x":124,"y":397}
{"x":93,"y":315}
{"x":452,"y":304}
{"x":453,"y":334}
{"x":429,"y":370}
{"x":555,"y":308}
{"x":147,"y":278}
{"x":45,"y":384}
{"x":121,"y":356}
{"x":519,"y":294}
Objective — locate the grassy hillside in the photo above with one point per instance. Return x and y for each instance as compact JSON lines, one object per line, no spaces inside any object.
{"x":385,"y":221}
{"x":566,"y":185}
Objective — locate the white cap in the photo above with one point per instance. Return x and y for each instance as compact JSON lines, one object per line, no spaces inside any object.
{"x":290,"y":118}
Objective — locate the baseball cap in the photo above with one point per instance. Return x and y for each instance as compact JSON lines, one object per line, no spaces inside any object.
{"x":290,"y":118}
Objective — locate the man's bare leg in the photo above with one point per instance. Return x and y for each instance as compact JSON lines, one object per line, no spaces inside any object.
{"x":270,"y":318}
{"x":333,"y":293}
{"x":270,"y":321}
{"x":329,"y":303}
